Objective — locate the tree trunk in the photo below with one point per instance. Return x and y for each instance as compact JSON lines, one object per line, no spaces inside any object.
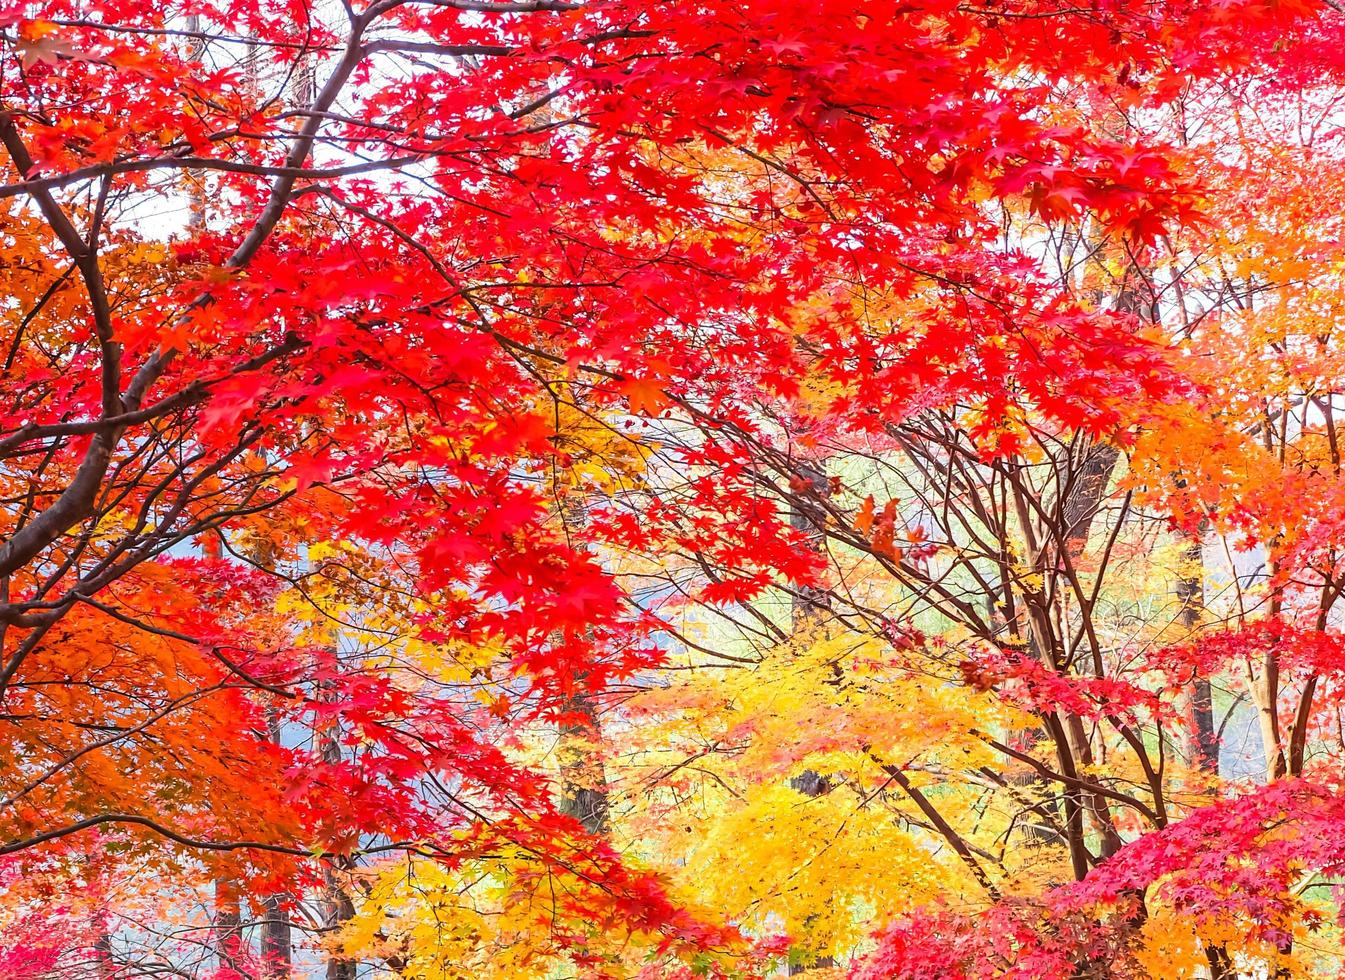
{"x":337,"y":906}
{"x":277,"y":943}
{"x":1200,"y":740}
{"x":277,"y":948}
{"x":102,"y":953}
{"x":228,"y":925}
{"x":806,"y":607}
{"x":583,"y":774}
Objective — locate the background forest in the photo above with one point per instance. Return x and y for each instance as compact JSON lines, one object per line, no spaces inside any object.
{"x":505,"y":489}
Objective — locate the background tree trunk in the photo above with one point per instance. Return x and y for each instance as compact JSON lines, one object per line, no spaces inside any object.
{"x":806,"y":608}
{"x":1201,"y":745}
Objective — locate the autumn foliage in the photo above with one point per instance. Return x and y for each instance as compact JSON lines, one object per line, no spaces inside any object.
{"x":614,"y":488}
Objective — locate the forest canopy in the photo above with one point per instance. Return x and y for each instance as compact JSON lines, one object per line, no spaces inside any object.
{"x":511,"y":489}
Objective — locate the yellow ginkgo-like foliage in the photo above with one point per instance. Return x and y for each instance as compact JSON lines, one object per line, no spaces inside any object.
{"x":774,"y":792}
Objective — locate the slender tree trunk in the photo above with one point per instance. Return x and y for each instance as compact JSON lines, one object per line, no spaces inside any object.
{"x":1200,"y":743}
{"x":277,"y":930}
{"x":583,"y":774}
{"x":338,"y":910}
{"x":338,"y":907}
{"x":805,"y":610}
{"x":1265,"y":688}
{"x":229,"y":946}
{"x":196,"y":186}
{"x":1200,"y":739}
{"x":1083,"y":475}
{"x":277,"y":947}
{"x":277,"y":944}
{"x":102,"y":954}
